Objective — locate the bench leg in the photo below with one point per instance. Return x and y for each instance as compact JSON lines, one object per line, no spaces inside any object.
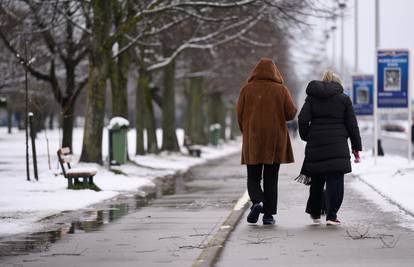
{"x":91,"y":180}
{"x":69,"y":183}
{"x":85,"y":181}
{"x":76,"y":180}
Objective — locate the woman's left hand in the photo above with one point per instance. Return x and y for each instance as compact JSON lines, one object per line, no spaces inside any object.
{"x":356,"y":155}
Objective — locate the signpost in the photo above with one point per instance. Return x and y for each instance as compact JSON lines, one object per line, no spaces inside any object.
{"x":362,"y":94}
{"x":393,"y":87}
{"x":393,"y":79}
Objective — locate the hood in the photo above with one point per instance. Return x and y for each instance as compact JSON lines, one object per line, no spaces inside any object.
{"x":266,"y":70}
{"x":320,"y":89}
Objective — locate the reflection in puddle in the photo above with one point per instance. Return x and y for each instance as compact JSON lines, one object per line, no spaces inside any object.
{"x":92,"y":220}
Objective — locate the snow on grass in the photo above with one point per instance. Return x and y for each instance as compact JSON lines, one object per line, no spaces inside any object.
{"x":23,"y":203}
{"x":404,"y":219}
{"x":392,"y":177}
{"x":177,"y":161}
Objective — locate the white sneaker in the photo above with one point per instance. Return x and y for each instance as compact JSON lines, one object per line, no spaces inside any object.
{"x":316,"y":220}
{"x":333,"y":222}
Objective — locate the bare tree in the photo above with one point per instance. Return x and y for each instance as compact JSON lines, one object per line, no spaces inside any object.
{"x":57,"y":45}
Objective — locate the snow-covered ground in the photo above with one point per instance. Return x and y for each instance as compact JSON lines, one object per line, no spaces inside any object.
{"x":392,"y":177}
{"x":23,"y":203}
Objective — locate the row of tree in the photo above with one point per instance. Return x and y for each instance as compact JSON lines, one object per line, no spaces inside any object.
{"x":183,"y":59}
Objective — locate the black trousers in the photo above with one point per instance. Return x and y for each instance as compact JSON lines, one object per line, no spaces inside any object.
{"x":270,"y":175}
{"x":334,"y":194}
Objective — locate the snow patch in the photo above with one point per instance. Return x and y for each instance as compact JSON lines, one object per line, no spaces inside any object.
{"x":392,"y":177}
{"x":118,"y":122}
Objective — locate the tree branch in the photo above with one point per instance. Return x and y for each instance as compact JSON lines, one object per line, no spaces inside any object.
{"x":196,"y":4}
{"x":39,"y":75}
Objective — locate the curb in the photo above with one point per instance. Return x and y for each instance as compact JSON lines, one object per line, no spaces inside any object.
{"x":212,"y":250}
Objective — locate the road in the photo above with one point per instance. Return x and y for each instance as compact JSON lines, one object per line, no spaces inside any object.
{"x":391,"y":145}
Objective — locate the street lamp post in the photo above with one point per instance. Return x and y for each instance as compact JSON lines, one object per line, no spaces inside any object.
{"x":356,"y":54}
{"x":333,"y":28}
{"x":26,"y":62}
{"x":327,"y":36}
{"x":342,"y":6}
{"x":377,"y":44}
{"x":26,"y":118}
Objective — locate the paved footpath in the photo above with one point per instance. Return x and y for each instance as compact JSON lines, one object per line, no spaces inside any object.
{"x":368,"y":237}
{"x":171,"y":231}
{"x":175,"y":228}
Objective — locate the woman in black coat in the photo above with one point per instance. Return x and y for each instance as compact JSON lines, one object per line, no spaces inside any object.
{"x":326,"y":121}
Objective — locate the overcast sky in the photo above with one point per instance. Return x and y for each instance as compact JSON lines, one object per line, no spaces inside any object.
{"x":396,"y":29}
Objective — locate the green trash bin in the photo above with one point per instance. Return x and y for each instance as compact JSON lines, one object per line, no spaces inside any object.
{"x":215,"y":130}
{"x":118,"y":141}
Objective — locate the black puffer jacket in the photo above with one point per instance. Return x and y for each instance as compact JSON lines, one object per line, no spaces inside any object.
{"x":412,"y":133}
{"x":326,"y":121}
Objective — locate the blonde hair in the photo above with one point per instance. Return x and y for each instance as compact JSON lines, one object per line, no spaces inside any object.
{"x":330,"y":76}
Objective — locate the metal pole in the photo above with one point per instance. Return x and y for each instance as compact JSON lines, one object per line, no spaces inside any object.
{"x":342,"y":42}
{"x":356,"y":63}
{"x":333,"y":28}
{"x":377,"y":43}
{"x":409,"y":113}
{"x":377,"y":24}
{"x":26,"y":113}
{"x":32,"y":138}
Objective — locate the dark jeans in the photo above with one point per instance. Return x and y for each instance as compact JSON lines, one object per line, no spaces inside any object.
{"x":268,"y":195}
{"x":334,"y":194}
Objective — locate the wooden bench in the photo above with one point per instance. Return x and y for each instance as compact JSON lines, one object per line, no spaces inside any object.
{"x":65,"y":157}
{"x":193,"y":150}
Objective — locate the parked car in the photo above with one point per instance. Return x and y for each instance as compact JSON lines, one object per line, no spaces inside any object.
{"x":393,"y":128}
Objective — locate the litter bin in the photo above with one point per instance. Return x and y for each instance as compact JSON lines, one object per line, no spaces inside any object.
{"x":118,"y":143}
{"x":215,"y":130}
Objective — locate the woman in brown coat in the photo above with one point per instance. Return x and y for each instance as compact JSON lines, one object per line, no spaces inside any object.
{"x":263,"y":107}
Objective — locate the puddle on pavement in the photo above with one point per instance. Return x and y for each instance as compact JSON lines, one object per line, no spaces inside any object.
{"x":91,"y":219}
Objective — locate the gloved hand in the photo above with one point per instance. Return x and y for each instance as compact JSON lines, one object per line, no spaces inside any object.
{"x":356,"y":155}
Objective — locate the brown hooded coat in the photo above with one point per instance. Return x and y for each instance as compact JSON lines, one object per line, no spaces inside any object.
{"x":263,"y":107}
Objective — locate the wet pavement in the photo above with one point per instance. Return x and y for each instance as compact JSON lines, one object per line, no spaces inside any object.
{"x":164,"y":225}
{"x":374,"y":233}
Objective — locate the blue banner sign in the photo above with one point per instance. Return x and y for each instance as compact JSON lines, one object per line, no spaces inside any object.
{"x":393,"y":78}
{"x":362,"y":94}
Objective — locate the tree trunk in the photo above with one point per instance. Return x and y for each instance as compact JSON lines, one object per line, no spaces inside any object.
{"x":9,"y":119}
{"x":67,"y":126}
{"x":152,"y":144}
{"x":51,"y":121}
{"x":68,"y":107}
{"x":169,"y":137}
{"x":140,"y":113}
{"x":68,"y":101}
{"x":234,"y":128}
{"x":94,"y":117}
{"x":217,"y":112}
{"x":120,"y":65}
{"x":95,"y":97}
{"x":119,"y":83}
{"x":195,"y":128}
